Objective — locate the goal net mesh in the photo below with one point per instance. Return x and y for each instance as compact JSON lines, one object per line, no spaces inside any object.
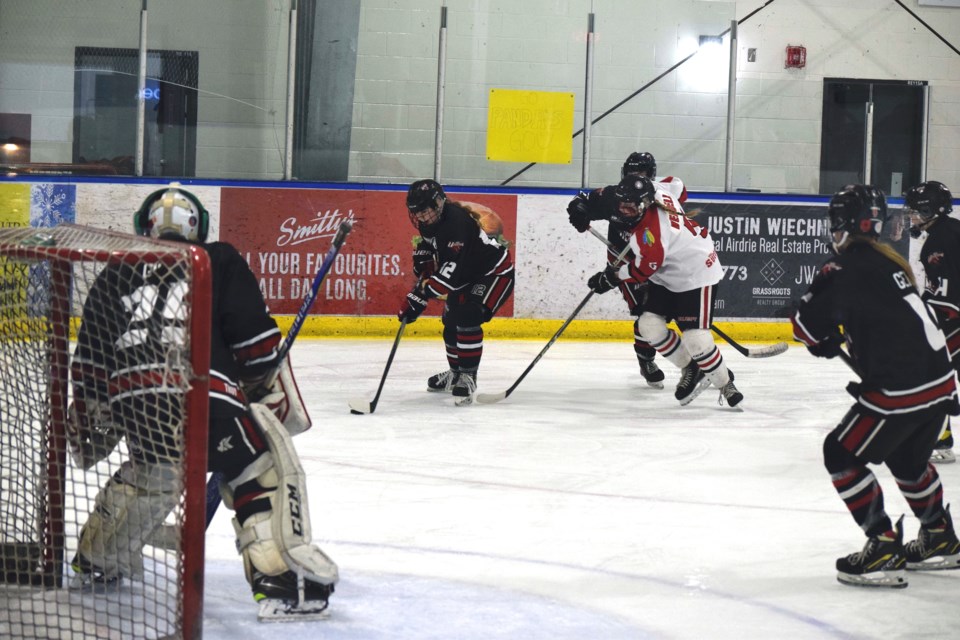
{"x":102,"y":326}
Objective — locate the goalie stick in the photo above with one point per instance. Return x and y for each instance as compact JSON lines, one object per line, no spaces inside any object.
{"x":359,"y":406}
{"x":490,"y":398}
{"x":751,"y":352}
{"x":213,"y":484}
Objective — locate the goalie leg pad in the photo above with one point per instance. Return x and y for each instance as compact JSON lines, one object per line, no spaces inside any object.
{"x":127,"y":511}
{"x":278,"y":540}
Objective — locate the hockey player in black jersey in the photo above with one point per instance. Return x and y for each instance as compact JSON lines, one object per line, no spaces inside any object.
{"x":459,"y":258}
{"x":866,"y":298}
{"x":600,"y":204}
{"x":928,"y":205}
{"x":247,"y":443}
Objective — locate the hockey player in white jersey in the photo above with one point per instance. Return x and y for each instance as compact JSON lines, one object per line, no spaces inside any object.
{"x":677,"y":257}
{"x":601,"y":204}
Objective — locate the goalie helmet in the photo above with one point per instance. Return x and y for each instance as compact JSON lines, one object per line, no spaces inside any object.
{"x":172,"y":213}
{"x":425,"y":200}
{"x":639,"y":163}
{"x":633,"y":195}
{"x":924,"y":203}
{"x":857,"y":210}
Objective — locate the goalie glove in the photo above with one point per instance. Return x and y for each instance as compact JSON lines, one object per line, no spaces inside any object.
{"x":281,"y":395}
{"x":91,"y":434}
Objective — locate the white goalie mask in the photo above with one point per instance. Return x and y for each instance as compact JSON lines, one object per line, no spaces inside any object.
{"x":172,"y":214}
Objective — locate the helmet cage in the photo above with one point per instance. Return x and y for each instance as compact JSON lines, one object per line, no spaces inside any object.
{"x":172,"y":214}
{"x":924,"y":203}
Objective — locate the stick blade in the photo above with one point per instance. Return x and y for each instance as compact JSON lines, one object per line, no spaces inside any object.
{"x":768,"y":351}
{"x":359,"y":406}
{"x":490,"y":398}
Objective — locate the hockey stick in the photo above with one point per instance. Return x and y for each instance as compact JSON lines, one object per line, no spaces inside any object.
{"x":213,"y":484}
{"x":751,"y":352}
{"x":359,"y":406}
{"x":490,"y":398}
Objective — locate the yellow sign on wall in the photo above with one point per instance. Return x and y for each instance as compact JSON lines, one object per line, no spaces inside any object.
{"x":530,"y":126}
{"x":14,"y":205}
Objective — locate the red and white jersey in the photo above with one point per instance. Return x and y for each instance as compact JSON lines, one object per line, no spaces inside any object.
{"x":670,"y":249}
{"x":671,"y":187}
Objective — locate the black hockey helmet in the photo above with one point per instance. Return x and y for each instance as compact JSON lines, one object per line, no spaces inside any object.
{"x":924,"y":202}
{"x":424,"y":195}
{"x":633,"y":195}
{"x":637,"y":163}
{"x":856,"y":210}
{"x":172,"y":213}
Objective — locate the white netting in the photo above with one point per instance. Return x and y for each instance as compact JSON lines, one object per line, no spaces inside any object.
{"x":99,"y":321}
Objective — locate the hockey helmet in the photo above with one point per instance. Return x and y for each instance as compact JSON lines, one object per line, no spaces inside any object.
{"x":172,"y":213}
{"x":857,"y":210}
{"x":924,"y":202}
{"x":425,"y":200}
{"x":633,"y":195}
{"x":639,"y":163}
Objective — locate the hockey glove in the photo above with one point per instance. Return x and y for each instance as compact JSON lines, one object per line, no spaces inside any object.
{"x":603,"y":281}
{"x":415,"y":303}
{"x":577,"y":211}
{"x":424,"y":262}
{"x":828,"y":347}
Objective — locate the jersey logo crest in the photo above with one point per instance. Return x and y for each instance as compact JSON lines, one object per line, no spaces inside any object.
{"x":648,"y":238}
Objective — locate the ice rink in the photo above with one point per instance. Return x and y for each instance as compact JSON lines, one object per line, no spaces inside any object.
{"x":585,"y":505}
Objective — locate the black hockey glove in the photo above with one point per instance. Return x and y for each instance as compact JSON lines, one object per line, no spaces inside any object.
{"x":577,"y":211}
{"x":413,"y":306}
{"x":829,"y":347}
{"x":603,"y":281}
{"x":424,"y":261}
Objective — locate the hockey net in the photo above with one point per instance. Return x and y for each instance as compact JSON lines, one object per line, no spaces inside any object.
{"x":46,"y":276}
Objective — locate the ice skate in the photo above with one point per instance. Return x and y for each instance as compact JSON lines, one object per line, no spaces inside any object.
{"x":290,"y":598}
{"x":692,"y":383}
{"x":651,"y":373}
{"x":87,"y":577}
{"x":465,"y":389}
{"x":880,"y":564}
{"x":935,"y":548}
{"x":730,"y":393}
{"x":943,"y":452}
{"x":442,"y":381}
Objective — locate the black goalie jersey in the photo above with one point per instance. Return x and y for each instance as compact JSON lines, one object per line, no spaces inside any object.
{"x":896,"y":345}
{"x":133,"y":315}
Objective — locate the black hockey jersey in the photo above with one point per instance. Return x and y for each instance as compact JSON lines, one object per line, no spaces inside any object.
{"x":464,"y":252}
{"x":940,"y":256}
{"x":133,"y":313}
{"x":897,"y":347}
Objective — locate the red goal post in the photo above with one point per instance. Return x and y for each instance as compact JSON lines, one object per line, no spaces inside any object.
{"x":45,"y":498}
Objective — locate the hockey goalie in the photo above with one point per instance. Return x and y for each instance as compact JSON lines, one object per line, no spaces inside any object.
{"x":133,"y":315}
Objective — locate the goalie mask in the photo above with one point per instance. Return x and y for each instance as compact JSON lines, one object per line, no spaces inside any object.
{"x":634,"y":195}
{"x":172,"y":214}
{"x":639,"y":164}
{"x":425,"y":200}
{"x":924,"y":203}
{"x":857,"y":210}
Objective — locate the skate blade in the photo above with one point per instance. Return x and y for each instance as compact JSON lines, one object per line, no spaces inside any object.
{"x":938,"y":563}
{"x":87,"y":583}
{"x":888,"y":579}
{"x":273,"y":610}
{"x":655,"y":385}
{"x":464,"y":402}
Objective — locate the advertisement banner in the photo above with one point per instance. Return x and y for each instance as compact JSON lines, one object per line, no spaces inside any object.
{"x":284,"y":235}
{"x":770,"y":253}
